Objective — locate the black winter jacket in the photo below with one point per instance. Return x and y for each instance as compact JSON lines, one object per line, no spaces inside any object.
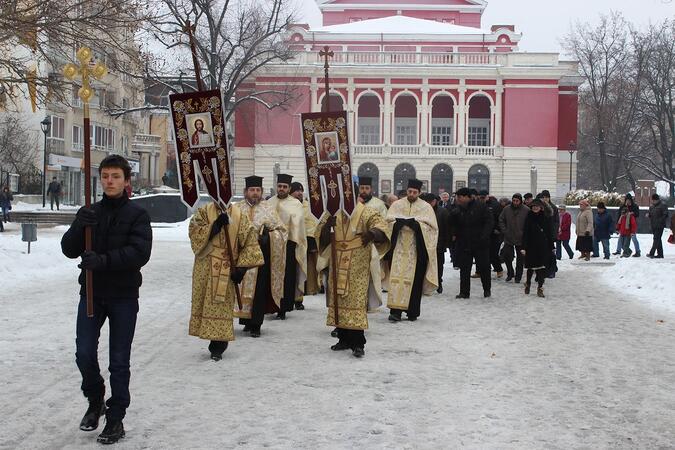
{"x":537,"y":240}
{"x":443,"y":219}
{"x":474,"y":225}
{"x":124,"y":235}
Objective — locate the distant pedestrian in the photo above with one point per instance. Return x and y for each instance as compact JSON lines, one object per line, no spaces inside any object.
{"x":658,"y":215}
{"x":634,"y":209}
{"x":555,"y":224}
{"x":511,"y":224}
{"x":603,"y":227}
{"x":626,"y":227}
{"x":443,"y":220}
{"x":537,"y":245}
{"x":54,"y":192}
{"x":585,"y":230}
{"x":564,"y":234}
{"x":6,"y":199}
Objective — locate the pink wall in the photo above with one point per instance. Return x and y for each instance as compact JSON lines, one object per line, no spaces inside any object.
{"x":530,"y":117}
{"x":279,"y":126}
{"x":568,"y":110}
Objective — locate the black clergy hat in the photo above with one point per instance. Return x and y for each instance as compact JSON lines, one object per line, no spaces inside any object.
{"x":464,"y":192}
{"x":415,"y":184}
{"x":365,"y":181}
{"x":284,"y":178}
{"x":297,"y":186}
{"x":428,"y":197}
{"x":484,"y":192}
{"x":253,"y":181}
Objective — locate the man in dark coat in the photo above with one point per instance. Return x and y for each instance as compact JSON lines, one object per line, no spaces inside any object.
{"x":472,"y":240}
{"x":658,"y":215}
{"x":443,"y":219}
{"x":555,"y":224}
{"x":122,"y":240}
{"x":511,"y":224}
{"x":496,"y":237}
{"x":603,"y":227}
{"x":54,"y":192}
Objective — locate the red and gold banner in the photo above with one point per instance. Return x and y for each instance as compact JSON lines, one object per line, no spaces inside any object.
{"x":328,"y":162}
{"x":201,"y":145}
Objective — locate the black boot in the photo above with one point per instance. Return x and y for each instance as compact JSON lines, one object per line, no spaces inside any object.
{"x":340,"y":346}
{"x":96,"y":409}
{"x":217,"y":348}
{"x":299,"y":306}
{"x":255,"y":331}
{"x":281,"y":315}
{"x":358,"y":352}
{"x":112,"y":432}
{"x":334,"y":333}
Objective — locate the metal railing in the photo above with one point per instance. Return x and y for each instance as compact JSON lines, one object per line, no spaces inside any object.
{"x":458,"y":151}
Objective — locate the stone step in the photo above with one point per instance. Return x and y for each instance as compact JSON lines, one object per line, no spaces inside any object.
{"x":60,"y":217}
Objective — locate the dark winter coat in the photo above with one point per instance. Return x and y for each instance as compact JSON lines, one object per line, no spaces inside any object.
{"x":124,"y":235}
{"x":603,"y":226}
{"x":635,"y":209}
{"x":6,"y":199}
{"x":555,"y":220}
{"x":496,"y":210}
{"x":54,"y":188}
{"x":474,"y":227}
{"x":537,"y":240}
{"x":658,"y":215}
{"x":443,"y":219}
{"x":564,"y":230}
{"x":511,"y":223}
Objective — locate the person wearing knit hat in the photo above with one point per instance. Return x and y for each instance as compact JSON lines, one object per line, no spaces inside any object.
{"x":292,"y":214}
{"x":527,"y":199}
{"x":511,"y":224}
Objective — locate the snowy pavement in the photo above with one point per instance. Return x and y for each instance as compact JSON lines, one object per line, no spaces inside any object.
{"x":590,"y":366}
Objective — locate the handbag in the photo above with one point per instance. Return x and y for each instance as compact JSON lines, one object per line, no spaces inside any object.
{"x":671,"y":239}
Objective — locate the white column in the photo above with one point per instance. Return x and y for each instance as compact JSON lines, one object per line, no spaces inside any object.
{"x":388,"y":115}
{"x":424,"y":111}
{"x":462,"y":110}
{"x":314,"y":101}
{"x":351,"y":110}
{"x":498,"y":116}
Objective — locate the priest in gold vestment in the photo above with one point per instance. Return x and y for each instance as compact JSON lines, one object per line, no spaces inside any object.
{"x":312,"y":284}
{"x":262,"y":287}
{"x":412,"y":258}
{"x":367,"y":198}
{"x":213,"y":278}
{"x":293,"y":217}
{"x":355,"y":238}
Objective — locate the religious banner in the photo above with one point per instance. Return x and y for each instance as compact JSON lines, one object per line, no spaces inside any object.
{"x":201,"y":145}
{"x":328,"y":162}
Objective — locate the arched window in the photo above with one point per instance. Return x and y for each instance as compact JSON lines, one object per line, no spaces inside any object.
{"x":479,"y":122}
{"x":370,"y":170}
{"x":441,"y":179}
{"x":479,"y":177}
{"x":402,"y":173}
{"x":442,"y":121}
{"x":369,"y":120}
{"x":335,"y":100}
{"x":405,"y":120}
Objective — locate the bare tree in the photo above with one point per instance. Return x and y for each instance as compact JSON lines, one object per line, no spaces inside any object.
{"x":655,"y":52}
{"x":233,"y":40}
{"x":45,"y":33}
{"x":19,"y":147}
{"x":609,"y":97}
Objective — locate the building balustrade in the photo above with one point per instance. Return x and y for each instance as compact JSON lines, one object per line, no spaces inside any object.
{"x":513,"y":59}
{"x":456,"y":151}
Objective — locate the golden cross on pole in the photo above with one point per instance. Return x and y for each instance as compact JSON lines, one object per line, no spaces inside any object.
{"x":325,"y":54}
{"x":84,"y":71}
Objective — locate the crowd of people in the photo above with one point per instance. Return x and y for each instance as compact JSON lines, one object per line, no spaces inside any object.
{"x":259,"y":257}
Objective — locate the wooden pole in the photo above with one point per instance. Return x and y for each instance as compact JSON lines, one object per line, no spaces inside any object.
{"x":189,"y":29}
{"x":89,"y":275}
{"x":327,"y":53}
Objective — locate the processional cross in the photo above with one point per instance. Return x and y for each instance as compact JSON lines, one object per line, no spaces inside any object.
{"x":325,"y":54}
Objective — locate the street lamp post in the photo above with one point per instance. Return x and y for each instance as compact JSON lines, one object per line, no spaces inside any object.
{"x":46,"y":125}
{"x":572,"y":148}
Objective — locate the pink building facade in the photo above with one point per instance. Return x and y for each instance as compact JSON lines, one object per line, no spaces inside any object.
{"x":429,"y":94}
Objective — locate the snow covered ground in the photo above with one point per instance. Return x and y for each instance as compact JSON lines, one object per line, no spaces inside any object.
{"x":589,"y":366}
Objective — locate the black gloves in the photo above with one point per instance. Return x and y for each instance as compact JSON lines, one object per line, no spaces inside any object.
{"x":86,"y":216}
{"x":264,"y":237}
{"x":93,"y":261}
{"x":373,"y":235}
{"x":218,"y":225}
{"x":324,"y":238}
{"x":237,"y":274}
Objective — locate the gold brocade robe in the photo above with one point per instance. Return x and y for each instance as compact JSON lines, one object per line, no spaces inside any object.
{"x":213,"y":294}
{"x":313,"y":281}
{"x":378,"y":205}
{"x":404,"y":258}
{"x":355,"y":287}
{"x":263,"y":215}
{"x":292,"y":215}
{"x":381,"y":265}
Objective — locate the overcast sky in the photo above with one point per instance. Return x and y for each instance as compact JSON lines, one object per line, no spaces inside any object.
{"x":543,"y":22}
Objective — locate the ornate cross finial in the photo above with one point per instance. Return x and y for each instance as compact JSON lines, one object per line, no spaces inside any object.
{"x":325,"y":54}
{"x":84,"y":70}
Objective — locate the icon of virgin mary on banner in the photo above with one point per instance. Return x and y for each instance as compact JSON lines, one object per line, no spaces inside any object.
{"x":328,"y":162}
{"x":201,"y":145}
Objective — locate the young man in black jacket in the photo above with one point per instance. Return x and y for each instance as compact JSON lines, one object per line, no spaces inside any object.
{"x":122,"y":240}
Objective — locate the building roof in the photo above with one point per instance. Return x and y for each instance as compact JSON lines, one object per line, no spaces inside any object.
{"x":400,"y":24}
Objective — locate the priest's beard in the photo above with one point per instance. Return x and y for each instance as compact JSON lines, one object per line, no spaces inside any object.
{"x":366,"y":197}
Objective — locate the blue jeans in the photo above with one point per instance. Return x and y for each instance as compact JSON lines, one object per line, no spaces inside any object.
{"x":596,"y":247}
{"x":122,"y":323}
{"x":634,"y":239}
{"x":558,"y":249}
